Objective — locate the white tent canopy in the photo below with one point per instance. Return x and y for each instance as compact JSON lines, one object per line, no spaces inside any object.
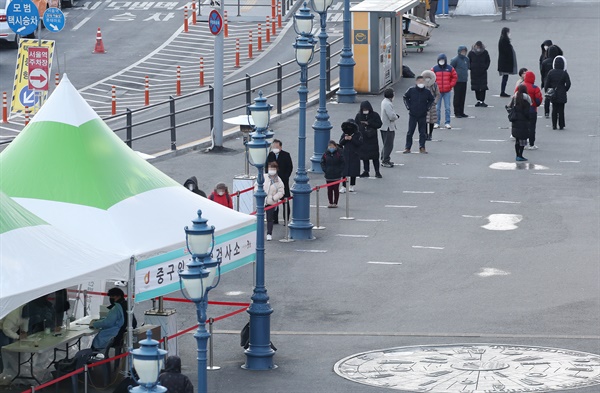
{"x":476,"y":7}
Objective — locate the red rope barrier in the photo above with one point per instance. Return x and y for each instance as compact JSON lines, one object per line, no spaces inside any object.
{"x":241,"y":191}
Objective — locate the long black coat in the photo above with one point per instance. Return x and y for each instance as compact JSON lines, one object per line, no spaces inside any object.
{"x":507,"y":61}
{"x":520,"y":127}
{"x":558,"y":79}
{"x":548,"y":62}
{"x":173,"y":379}
{"x":332,"y":164}
{"x":480,"y":62}
{"x":369,"y":149}
{"x":285,"y":168}
{"x":351,"y":154}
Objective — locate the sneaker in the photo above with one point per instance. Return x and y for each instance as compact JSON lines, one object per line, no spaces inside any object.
{"x":534,"y":147}
{"x":428,"y":138}
{"x":504,"y":95}
{"x":378,"y":175}
{"x":422,"y":150}
{"x":364,"y":174}
{"x":406,"y":151}
{"x":521,"y":159}
{"x":561,"y":128}
{"x":436,"y":125}
{"x":478,"y":103}
{"x":343,"y":190}
{"x":511,"y":137}
{"x":351,"y":189}
{"x":448,"y":126}
{"x":269,"y":238}
{"x":483,"y":105}
{"x":334,"y":206}
{"x":387,"y":164}
{"x":330,"y":205}
{"x":547,"y":115}
{"x":527,"y":147}
{"x":464,"y":115}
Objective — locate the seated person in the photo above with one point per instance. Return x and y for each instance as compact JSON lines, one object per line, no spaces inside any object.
{"x":61,"y":306}
{"x":114,"y":321}
{"x":12,"y":327}
{"x":41,"y":314}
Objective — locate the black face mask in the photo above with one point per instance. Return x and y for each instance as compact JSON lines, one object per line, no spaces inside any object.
{"x":112,"y":301}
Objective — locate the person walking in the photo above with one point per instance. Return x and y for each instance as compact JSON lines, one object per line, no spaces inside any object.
{"x":433,"y":6}
{"x":388,"y":127}
{"x":368,"y":123}
{"x":221,"y":195}
{"x":507,"y":59}
{"x":547,"y":66}
{"x":479,"y":62}
{"x":275,"y":190}
{"x":332,"y":164}
{"x":558,"y":79}
{"x":520,"y":103}
{"x":446,"y":77}
{"x":535,"y":94}
{"x":461,"y":64}
{"x":351,"y":141}
{"x":432,"y":86}
{"x":418,"y":101}
{"x":172,"y":378}
{"x":286,"y":168}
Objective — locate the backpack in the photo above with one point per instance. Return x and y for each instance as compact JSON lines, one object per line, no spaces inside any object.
{"x":212,"y":198}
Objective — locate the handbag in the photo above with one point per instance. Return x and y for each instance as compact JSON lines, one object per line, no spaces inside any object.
{"x":512,"y":113}
{"x":550,"y":93}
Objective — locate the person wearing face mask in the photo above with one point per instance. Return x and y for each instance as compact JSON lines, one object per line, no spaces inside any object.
{"x":432,"y":86}
{"x":446,"y":78}
{"x":418,"y":101}
{"x":332,"y":164}
{"x":111,"y":325}
{"x":479,"y":61}
{"x":461,"y":64}
{"x":351,"y":141}
{"x":388,"y":127}
{"x":559,"y":80}
{"x":221,"y":195}
{"x":545,"y":46}
{"x":507,"y":60}
{"x":547,"y":66}
{"x":275,"y":190}
{"x":286,"y":168}
{"x":368,"y":123}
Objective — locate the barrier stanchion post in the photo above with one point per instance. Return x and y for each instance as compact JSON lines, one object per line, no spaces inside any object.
{"x":273,"y":26}
{"x":26,"y":115}
{"x":347,"y":204}
{"x":32,"y":389}
{"x":237,"y":53}
{"x":56,"y":79}
{"x":185,"y":19}
{"x":178,"y":83}
{"x":286,"y":239}
{"x":268,"y":29}
{"x":273,"y":8}
{"x":113,"y":104}
{"x":250,"y":44}
{"x":259,"y":38}
{"x":237,"y":198}
{"x":85,"y":309}
{"x":146,"y":91}
{"x":318,"y":226}
{"x":279,"y":14}
{"x":202,"y":72}
{"x":4,"y":108}
{"x":225,"y":25}
{"x":210,"y":366}
{"x":166,"y":343}
{"x":194,"y":20}
{"x":85,"y":378}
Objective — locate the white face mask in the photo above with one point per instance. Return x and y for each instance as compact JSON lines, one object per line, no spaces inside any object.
{"x":441,"y":62}
{"x":272,"y":172}
{"x":545,"y":47}
{"x":420,"y":85}
{"x":365,"y":112}
{"x":508,"y":35}
{"x":276,"y":151}
{"x":220,"y":193}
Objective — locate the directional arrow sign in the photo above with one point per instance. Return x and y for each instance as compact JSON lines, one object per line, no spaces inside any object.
{"x":28,"y":97}
{"x":22,"y":17}
{"x":38,"y":68}
{"x":54,"y":20}
{"x":38,"y":78}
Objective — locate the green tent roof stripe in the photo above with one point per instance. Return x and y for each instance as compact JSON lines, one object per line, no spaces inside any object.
{"x":14,"y":216}
{"x":86,"y":165}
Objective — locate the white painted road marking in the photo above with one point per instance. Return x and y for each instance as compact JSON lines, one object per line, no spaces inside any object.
{"x":467,"y":216}
{"x":234,"y":293}
{"x":343,"y":235}
{"x":429,"y":248}
{"x":574,"y":162}
{"x":418,"y":192}
{"x":502,"y":222}
{"x":401,"y":206}
{"x":450,"y":163}
{"x":492,"y":140}
{"x":318,"y":251}
{"x":78,"y":25}
{"x":384,"y":263}
{"x":434,"y":177}
{"x":476,"y":151}
{"x":505,"y":202}
{"x":370,"y":220}
{"x":547,"y":174}
{"x":490,"y":271}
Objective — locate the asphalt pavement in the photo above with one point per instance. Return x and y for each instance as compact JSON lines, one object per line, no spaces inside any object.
{"x":458,"y":246}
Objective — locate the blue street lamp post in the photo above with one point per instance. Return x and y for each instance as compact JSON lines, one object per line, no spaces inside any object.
{"x":321,"y":126}
{"x":259,"y":355}
{"x":346,"y":93}
{"x":198,"y":280}
{"x":300,"y":226}
{"x":148,"y":361}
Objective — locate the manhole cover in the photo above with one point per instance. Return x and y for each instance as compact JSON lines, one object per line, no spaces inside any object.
{"x":473,"y":368}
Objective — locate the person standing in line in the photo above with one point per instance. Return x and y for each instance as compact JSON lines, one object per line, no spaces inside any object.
{"x":388,"y":127}
{"x":520,"y":124}
{"x":286,"y":168}
{"x":461,"y":64}
{"x":545,"y":46}
{"x":275,"y":190}
{"x":522,"y":72}
{"x":431,"y":118}
{"x":351,"y":141}
{"x":547,"y":66}
{"x":507,"y":59}
{"x":332,"y":164}
{"x":446,"y":77}
{"x":535,"y":94}
{"x":559,"y":80}
{"x":479,"y":61}
{"x":418,"y":101}
{"x":172,"y":378}
{"x":368,"y":123}
{"x":433,"y":6}
{"x":221,"y":195}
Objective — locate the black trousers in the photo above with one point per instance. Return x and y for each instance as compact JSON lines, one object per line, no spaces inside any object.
{"x":519,"y":149}
{"x":460,"y":94}
{"x":352,"y":181}
{"x":368,"y":167}
{"x":558,"y":113}
{"x":333,"y":193}
{"x":433,"y":5}
{"x":480,"y":95}
{"x":270,"y":215}
{"x":546,"y":107}
{"x":532,"y":124}
{"x":503,"y":84}
{"x":286,"y":208}
{"x":412,"y":124}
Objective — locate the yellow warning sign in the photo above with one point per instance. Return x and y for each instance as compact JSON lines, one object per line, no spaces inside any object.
{"x":22,"y":96}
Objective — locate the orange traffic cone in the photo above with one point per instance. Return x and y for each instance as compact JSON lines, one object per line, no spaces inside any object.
{"x":99,"y":44}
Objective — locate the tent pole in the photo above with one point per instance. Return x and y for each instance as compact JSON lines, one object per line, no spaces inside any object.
{"x":130,"y":290}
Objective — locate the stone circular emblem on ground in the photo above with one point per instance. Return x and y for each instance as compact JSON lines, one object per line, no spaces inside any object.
{"x":473,"y":368}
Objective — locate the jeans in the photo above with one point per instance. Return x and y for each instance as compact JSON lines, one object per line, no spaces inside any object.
{"x":558,"y":113}
{"x":460,"y":93}
{"x":412,"y":124}
{"x":445,"y":97}
{"x":532,"y":124}
{"x":388,"y":144}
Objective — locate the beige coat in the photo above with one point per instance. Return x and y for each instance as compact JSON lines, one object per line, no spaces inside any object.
{"x":274,"y":189}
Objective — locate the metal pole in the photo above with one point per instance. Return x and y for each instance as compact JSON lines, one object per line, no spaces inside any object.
{"x":218,"y":77}
{"x":210,"y":346}
{"x":259,"y":355}
{"x":202,"y":336}
{"x":85,"y":303}
{"x":503,"y":9}
{"x":347,"y":204}
{"x":346,"y":93}
{"x":322,"y":127}
{"x":237,"y":198}
{"x":85,"y":378}
{"x":130,"y":291}
{"x":318,"y":226}
{"x":301,"y":227}
{"x":286,"y":239}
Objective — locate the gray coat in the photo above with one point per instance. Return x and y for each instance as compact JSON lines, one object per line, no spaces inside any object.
{"x":461,"y":64}
{"x":388,"y":115}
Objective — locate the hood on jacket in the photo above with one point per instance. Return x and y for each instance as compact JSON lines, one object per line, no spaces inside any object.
{"x":429,"y":74}
{"x":366,"y":106}
{"x":173,"y":364}
{"x":559,"y":63}
{"x":529,"y":77}
{"x":461,"y":48}
{"x":349,"y":127}
{"x":553,"y":51}
{"x":442,"y":56}
{"x":476,"y":45}
{"x":547,"y":43}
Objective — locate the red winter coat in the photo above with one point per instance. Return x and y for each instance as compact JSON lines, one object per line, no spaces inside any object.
{"x":533,"y":91}
{"x":224,"y":199}
{"x":445,"y":77}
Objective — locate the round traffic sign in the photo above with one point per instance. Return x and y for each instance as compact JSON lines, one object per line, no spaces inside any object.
{"x":215,"y":22}
{"x":38,"y":79}
{"x":54,"y":20}
{"x":22,"y":17}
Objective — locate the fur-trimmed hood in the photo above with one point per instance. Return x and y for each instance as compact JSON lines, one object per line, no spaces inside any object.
{"x":429,"y":74}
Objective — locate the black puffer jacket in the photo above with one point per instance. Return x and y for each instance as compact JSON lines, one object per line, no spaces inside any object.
{"x":507,"y":59}
{"x":558,"y":79}
{"x":520,"y":127}
{"x":173,"y":379}
{"x":547,"y":64}
{"x":369,"y":150}
{"x":332,"y":164}
{"x":480,"y":62}
{"x":351,"y":148}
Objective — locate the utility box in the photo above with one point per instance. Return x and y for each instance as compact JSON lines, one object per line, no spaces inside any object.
{"x":377,"y":43}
